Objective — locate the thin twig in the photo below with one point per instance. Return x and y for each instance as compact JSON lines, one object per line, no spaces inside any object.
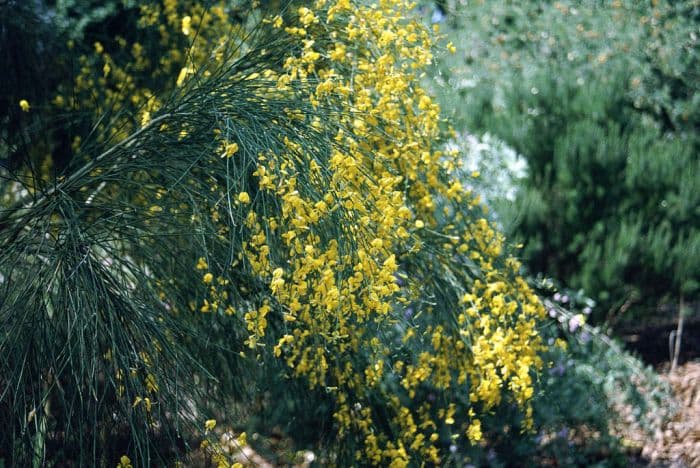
{"x":26,"y":206}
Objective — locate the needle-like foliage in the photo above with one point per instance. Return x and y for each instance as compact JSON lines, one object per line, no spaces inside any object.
{"x":256,"y":216}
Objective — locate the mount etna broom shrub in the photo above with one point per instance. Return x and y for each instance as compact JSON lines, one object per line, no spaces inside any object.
{"x":216,"y":210}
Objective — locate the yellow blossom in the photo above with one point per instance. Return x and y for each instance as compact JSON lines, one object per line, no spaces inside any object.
{"x":145,"y":118}
{"x":182,"y":76}
{"x":186,"y":25}
{"x":243,"y":197}
{"x":230,"y":150}
{"x":474,"y":431}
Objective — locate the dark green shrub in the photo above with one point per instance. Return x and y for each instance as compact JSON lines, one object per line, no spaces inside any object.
{"x":601,"y":99}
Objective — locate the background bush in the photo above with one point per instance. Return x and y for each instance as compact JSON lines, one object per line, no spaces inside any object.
{"x":601,"y":100}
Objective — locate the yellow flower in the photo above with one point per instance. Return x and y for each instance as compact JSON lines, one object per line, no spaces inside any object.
{"x":306,"y":16}
{"x":338,"y":53}
{"x":210,"y":424}
{"x":474,"y":431}
{"x":208,"y":278}
{"x":451,"y":48}
{"x":151,"y":384}
{"x":277,"y":281}
{"x":182,"y":76}
{"x":243,"y":197}
{"x":186,"y":25}
{"x":145,"y":118}
{"x":231,"y":149}
{"x":202,"y":264}
{"x":124,"y":462}
{"x":24,"y":104}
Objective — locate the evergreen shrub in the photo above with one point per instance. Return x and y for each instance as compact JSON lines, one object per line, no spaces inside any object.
{"x":601,"y":100}
{"x":231,"y":215}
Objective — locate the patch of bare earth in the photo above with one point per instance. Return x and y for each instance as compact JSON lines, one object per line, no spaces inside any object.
{"x":677,"y":443}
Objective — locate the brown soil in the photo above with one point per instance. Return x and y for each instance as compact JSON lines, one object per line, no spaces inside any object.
{"x":677,"y":444}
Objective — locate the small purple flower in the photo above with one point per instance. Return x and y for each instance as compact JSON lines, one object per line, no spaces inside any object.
{"x":558,"y":370}
{"x":574,"y":323}
{"x":453,"y":448}
{"x":563,"y":433}
{"x":587,"y":310}
{"x":557,"y":297}
{"x":585,"y":336}
{"x":552,"y":312}
{"x":564,"y":299}
{"x":408,"y":313}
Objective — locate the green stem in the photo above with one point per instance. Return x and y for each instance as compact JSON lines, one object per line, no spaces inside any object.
{"x":23,"y":207}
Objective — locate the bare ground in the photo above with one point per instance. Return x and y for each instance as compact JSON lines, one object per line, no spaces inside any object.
{"x":677,"y":444}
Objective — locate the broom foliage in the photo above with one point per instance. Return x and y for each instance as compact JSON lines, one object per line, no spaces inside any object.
{"x":256,"y":220}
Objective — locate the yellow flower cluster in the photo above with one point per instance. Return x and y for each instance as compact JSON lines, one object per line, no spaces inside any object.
{"x":386,"y":180}
{"x":121,"y":75}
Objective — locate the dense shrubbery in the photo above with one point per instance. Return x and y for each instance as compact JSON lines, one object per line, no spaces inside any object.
{"x":212,"y":212}
{"x":601,"y":99}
